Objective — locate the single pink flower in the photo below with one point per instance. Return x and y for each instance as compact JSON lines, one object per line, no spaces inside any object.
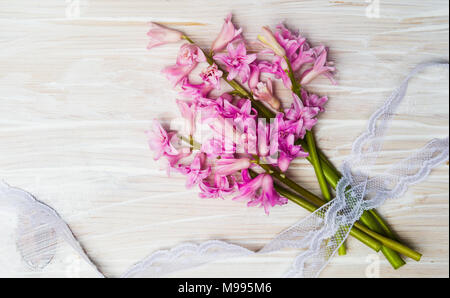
{"x":264,"y":92}
{"x":277,"y":67}
{"x":321,"y":67}
{"x":254,"y":76}
{"x":218,"y":189}
{"x":212,"y":75}
{"x":297,"y":49}
{"x":174,"y":159}
{"x":190,"y":54}
{"x":223,"y":128}
{"x":213,"y":148}
{"x":288,"y":152}
{"x":197,"y":170}
{"x":304,"y":56}
{"x":188,"y":58}
{"x":226,"y":35}
{"x":269,"y":40}
{"x":223,"y":116}
{"x":313,"y":100}
{"x":267,"y":140}
{"x":246,"y":115}
{"x":290,"y":41}
{"x":240,"y":113}
{"x":160,"y":141}
{"x":285,"y":125}
{"x":160,"y":35}
{"x":196,"y":92}
{"x":259,"y":191}
{"x":301,"y":116}
{"x":237,"y":62}
{"x":229,"y":166}
{"x":176,"y":73}
{"x":188,"y":112}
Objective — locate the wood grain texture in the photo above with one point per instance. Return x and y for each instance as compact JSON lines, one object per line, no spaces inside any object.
{"x":77,"y":92}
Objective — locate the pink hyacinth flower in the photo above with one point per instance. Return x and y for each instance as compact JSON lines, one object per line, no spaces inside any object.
{"x":297,"y":49}
{"x":259,"y":191}
{"x":160,"y":35}
{"x":254,"y":76}
{"x":302,"y":116}
{"x":269,"y":41}
{"x":290,"y":41}
{"x":229,"y":166}
{"x":197,"y":170}
{"x":213,"y":148}
{"x":160,"y":141}
{"x":196,"y":92}
{"x":321,"y":67}
{"x":288,"y":152}
{"x":174,"y":159}
{"x":313,"y":100}
{"x":276,"y":67}
{"x":264,"y":92}
{"x":218,"y":189}
{"x":212,"y":75}
{"x":176,"y":73}
{"x":188,"y":58}
{"x":267,"y":140}
{"x":237,"y":62}
{"x":304,"y":56}
{"x":245,"y":116}
{"x":188,"y":112}
{"x":190,"y":54}
{"x":224,"y":128}
{"x":226,"y":35}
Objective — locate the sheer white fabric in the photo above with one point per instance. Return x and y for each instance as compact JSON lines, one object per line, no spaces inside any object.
{"x":39,"y":232}
{"x":40,"y":229}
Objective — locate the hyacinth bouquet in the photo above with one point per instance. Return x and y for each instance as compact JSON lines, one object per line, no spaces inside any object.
{"x":236,"y":140}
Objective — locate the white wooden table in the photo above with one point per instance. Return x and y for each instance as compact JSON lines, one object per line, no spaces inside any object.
{"x":78,"y":89}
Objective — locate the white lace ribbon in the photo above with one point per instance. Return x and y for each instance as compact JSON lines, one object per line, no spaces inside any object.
{"x":39,"y":228}
{"x":320,"y":234}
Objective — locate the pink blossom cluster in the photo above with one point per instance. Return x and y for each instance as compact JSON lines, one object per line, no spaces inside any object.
{"x":241,"y":139}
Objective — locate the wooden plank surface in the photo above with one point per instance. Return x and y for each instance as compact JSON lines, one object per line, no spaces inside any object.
{"x":78,"y":89}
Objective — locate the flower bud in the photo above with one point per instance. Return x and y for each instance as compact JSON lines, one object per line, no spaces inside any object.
{"x":228,"y":34}
{"x":269,"y":40}
{"x":160,"y":35}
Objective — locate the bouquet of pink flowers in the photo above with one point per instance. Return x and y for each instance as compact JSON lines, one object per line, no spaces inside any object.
{"x":236,"y":139}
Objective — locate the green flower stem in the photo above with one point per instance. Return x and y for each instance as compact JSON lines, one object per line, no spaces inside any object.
{"x":355,"y":232}
{"x":317,"y":166}
{"x":300,"y":190}
{"x":311,"y":143}
{"x":191,"y":142}
{"x":387,"y":231}
{"x":314,"y":200}
{"x":315,"y":161}
{"x":291,"y":184}
{"x":370,"y":218}
{"x":392,"y":244}
{"x":359,"y":231}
